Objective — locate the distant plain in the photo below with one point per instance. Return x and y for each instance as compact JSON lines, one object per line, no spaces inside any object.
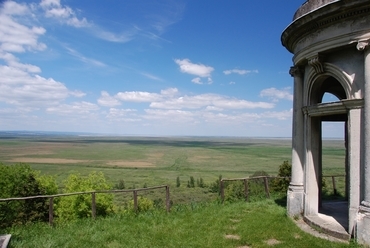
{"x":151,"y":161}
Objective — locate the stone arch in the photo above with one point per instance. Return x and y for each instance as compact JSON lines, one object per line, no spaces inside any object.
{"x":333,"y":80}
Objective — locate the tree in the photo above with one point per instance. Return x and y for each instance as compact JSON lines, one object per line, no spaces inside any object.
{"x":20,"y":180}
{"x":285,"y":172}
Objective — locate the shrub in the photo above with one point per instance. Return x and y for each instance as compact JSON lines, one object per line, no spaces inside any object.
{"x":120,"y":184}
{"x":79,"y":206}
{"x":282,"y":184}
{"x":234,"y":191}
{"x":143,"y":204}
{"x":215,"y":186}
{"x":257,"y":186}
{"x":20,"y":180}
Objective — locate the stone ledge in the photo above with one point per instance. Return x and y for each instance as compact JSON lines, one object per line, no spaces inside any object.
{"x":4,"y":240}
{"x":330,"y":227}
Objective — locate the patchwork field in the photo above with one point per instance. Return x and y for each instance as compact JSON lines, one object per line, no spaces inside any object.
{"x":152,"y":161}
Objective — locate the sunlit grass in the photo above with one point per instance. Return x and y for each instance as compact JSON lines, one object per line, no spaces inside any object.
{"x":253,"y":224}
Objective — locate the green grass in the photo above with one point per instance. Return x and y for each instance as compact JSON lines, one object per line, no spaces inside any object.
{"x":238,"y":224}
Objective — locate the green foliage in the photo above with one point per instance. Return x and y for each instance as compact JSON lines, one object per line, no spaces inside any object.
{"x":20,"y":180}
{"x":215,"y":186}
{"x":79,"y":206}
{"x":191,"y":182}
{"x":282,"y":184}
{"x":143,"y":204}
{"x":234,"y":191}
{"x":120,"y":184}
{"x":257,"y":186}
{"x":200,"y":183}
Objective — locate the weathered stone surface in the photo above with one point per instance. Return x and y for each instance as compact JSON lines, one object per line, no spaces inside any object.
{"x":4,"y":240}
{"x":309,"y":6}
{"x":330,"y":40}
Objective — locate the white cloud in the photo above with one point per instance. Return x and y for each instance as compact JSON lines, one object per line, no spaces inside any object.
{"x":64,"y":14}
{"x":282,"y":115}
{"x":16,"y":37}
{"x":77,"y":93}
{"x":199,"y":70}
{"x":170,"y":92}
{"x":76,"y":108}
{"x":208,"y":100}
{"x":150,"y":76}
{"x":107,"y":100}
{"x":137,"y":96}
{"x":82,"y":58}
{"x":20,"y":88}
{"x":122,"y":115}
{"x":112,"y":37}
{"x":276,"y":94}
{"x":197,"y":80}
{"x":240,"y":72}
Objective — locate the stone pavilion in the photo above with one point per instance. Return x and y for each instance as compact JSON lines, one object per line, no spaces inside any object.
{"x":330,"y":43}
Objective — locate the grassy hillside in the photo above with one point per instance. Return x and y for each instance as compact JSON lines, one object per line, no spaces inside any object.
{"x":255,"y":224}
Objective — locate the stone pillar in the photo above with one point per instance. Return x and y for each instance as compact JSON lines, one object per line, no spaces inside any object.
{"x":354,"y":165}
{"x":363,"y":218}
{"x":295,"y":190}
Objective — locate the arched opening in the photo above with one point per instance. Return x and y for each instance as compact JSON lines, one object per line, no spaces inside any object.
{"x":329,"y":144}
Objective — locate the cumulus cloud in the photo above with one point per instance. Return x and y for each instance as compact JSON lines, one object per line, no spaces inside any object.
{"x":276,"y":94}
{"x":20,"y":83}
{"x":199,"y":70}
{"x":18,"y":87}
{"x":17,"y":37}
{"x":137,"y":96}
{"x":107,"y":100}
{"x":240,"y":72}
{"x":64,"y":14}
{"x":75,"y":108}
{"x":207,"y":101}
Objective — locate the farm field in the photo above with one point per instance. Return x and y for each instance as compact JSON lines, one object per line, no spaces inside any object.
{"x":150,"y":161}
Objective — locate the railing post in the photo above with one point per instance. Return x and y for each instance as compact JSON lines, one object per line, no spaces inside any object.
{"x":334,"y":185}
{"x":93,"y":205}
{"x":266,"y":187}
{"x":168,"y":198}
{"x":135,"y":200}
{"x":246,"y":189}
{"x":51,"y":211}
{"x":222,"y":190}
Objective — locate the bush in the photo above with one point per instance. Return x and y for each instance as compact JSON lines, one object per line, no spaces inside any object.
{"x":281,"y":184}
{"x":234,"y":191}
{"x":257,"y":186}
{"x":215,"y":186}
{"x":20,"y":180}
{"x":79,"y":206}
{"x":143,"y":204}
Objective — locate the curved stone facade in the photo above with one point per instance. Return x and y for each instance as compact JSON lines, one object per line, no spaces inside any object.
{"x":330,"y":40}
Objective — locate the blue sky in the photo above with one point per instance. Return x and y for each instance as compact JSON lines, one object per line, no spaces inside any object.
{"x":140,"y":67}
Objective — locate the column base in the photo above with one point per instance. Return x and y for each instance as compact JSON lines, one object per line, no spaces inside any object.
{"x":363,"y":224}
{"x":295,"y":197}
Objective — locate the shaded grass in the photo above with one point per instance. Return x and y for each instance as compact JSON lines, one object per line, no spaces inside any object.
{"x":194,"y":225}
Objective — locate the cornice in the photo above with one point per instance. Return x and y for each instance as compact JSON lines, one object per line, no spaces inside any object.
{"x":328,"y":15}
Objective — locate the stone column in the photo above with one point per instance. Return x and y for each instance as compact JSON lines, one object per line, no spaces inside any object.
{"x":295,"y":190}
{"x":363,"y":223}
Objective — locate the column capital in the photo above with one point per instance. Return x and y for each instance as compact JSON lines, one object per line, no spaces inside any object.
{"x":362,"y":45}
{"x":295,"y":71}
